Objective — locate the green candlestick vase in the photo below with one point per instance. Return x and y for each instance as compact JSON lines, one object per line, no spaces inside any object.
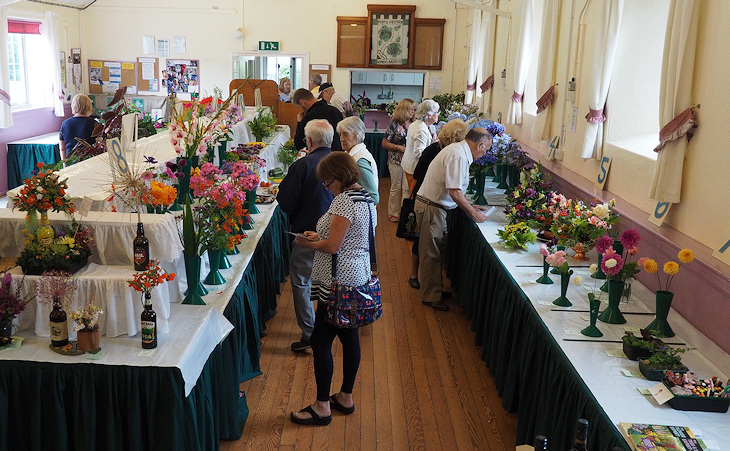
{"x":251,"y":202}
{"x":214,"y":277}
{"x":502,"y":174}
{"x":612,"y":314}
{"x":545,"y":279}
{"x":481,"y":179}
{"x":595,"y":305}
{"x":470,"y":189}
{"x":562,"y":300}
{"x":233,"y":251}
{"x":663,"y":303}
{"x":600,"y":275}
{"x":513,"y":176}
{"x":195,"y":288}
{"x":224,"y":263}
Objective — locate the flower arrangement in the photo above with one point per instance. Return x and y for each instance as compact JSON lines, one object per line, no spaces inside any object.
{"x":87,"y":318}
{"x":615,"y":266}
{"x":530,"y":200}
{"x":248,"y":153}
{"x":517,"y":236}
{"x":57,"y":287}
{"x":390,"y":107}
{"x":69,"y":250}
{"x":670,"y":268}
{"x":44,"y":191}
{"x":264,"y":124}
{"x":482,"y":164}
{"x":445,"y":101}
{"x":361,"y":104}
{"x":288,"y":153}
{"x":12,"y":302}
{"x":145,"y":281}
{"x":575,"y":222}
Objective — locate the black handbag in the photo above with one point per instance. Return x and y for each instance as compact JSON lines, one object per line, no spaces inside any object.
{"x":407,"y":227}
{"x":352,"y":307}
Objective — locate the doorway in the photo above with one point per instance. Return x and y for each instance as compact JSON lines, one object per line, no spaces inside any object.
{"x":272,"y":66}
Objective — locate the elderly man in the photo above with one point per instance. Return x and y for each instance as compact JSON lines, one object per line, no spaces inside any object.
{"x":443,"y":189}
{"x":315,"y":80}
{"x":305,"y":199}
{"x":314,"y":109}
{"x":327,"y":92}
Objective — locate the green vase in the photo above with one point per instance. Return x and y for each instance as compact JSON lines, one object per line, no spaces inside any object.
{"x":222,"y":147}
{"x":513,"y":176}
{"x":490,"y":171}
{"x":599,"y":274}
{"x":233,"y":251}
{"x":545,"y":279}
{"x":592,"y":330}
{"x":496,"y":172}
{"x":214,"y":277}
{"x":195,"y":288}
{"x":251,"y":202}
{"x":502,"y":174}
{"x":562,"y":300}
{"x":224,"y":263}
{"x":470,"y":189}
{"x":183,"y":187}
{"x":663,"y":303}
{"x":481,"y":179}
{"x":612,"y":314}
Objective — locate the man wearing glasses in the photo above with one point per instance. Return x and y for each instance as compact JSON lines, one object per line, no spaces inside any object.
{"x":304,"y":199}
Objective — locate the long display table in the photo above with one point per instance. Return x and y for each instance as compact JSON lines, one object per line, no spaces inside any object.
{"x":540,"y":370}
{"x":185,"y":396}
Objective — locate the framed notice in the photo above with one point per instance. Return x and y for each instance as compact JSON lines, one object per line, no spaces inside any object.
{"x":390,"y":35}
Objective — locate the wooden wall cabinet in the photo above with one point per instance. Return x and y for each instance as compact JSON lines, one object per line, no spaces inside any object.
{"x":351,"y":41}
{"x":429,"y":43}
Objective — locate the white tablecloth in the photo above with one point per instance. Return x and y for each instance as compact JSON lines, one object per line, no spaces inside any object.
{"x":617,"y":394}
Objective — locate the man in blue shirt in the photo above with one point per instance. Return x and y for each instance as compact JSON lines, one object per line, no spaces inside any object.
{"x":304,"y":199}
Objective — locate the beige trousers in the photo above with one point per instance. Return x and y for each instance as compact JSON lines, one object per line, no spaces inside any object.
{"x":433,"y":233}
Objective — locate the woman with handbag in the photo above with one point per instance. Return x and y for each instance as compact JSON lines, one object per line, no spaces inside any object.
{"x":344,"y":237}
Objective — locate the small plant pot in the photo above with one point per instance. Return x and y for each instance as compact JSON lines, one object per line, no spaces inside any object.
{"x":657,"y":374}
{"x":88,"y":340}
{"x":636,"y":352}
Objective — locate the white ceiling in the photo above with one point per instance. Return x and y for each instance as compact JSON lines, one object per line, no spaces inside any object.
{"x":77,"y":4}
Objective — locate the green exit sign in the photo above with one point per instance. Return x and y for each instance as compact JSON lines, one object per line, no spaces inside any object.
{"x":269,"y":45}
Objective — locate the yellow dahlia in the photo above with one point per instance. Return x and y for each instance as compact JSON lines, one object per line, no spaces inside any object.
{"x":686,"y":255}
{"x":671,"y":268}
{"x":650,"y":266}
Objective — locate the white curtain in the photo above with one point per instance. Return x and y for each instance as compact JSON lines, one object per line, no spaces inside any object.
{"x":51,"y":33}
{"x":476,"y":54}
{"x":486,"y":71}
{"x":608,"y":24}
{"x":522,"y":64}
{"x":546,"y":70}
{"x":675,"y":98}
{"x":6,"y":116}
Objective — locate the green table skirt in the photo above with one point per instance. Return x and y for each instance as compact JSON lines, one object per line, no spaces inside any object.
{"x":533,"y":376}
{"x":23,"y":158}
{"x":90,"y":406}
{"x":374,"y":143}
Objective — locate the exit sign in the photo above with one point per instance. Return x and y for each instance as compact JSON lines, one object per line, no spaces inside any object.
{"x":269,"y":45}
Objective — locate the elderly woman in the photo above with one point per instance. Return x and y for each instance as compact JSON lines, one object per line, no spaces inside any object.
{"x":453,"y":132}
{"x":352,"y":135}
{"x":419,"y":137}
{"x":80,"y":125}
{"x":394,"y":141}
{"x":342,"y":230}
{"x":284,"y":89}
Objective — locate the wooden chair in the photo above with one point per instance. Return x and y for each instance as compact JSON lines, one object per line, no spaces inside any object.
{"x":286,"y":113}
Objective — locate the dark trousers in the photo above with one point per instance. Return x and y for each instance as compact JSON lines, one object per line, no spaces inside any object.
{"x":322,"y":337}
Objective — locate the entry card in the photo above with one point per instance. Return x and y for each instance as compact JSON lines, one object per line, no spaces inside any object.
{"x":146,"y":353}
{"x":616,"y":353}
{"x":629,"y":373}
{"x":661,"y":393}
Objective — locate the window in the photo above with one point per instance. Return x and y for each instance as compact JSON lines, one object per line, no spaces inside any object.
{"x":28,"y":56}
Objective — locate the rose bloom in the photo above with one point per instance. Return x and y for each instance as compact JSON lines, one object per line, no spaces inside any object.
{"x":601,"y":210}
{"x":671,"y":268}
{"x":650,"y":266}
{"x":686,"y":256}
{"x":643,"y":260}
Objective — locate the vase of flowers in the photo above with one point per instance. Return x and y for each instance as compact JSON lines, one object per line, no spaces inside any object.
{"x":545,"y":278}
{"x":558,"y":260}
{"x":618,"y":269}
{"x":664,"y":297}
{"x":264,"y":124}
{"x":517,"y":236}
{"x":530,"y":201}
{"x":87,"y":330}
{"x":57,"y":288}
{"x":288,"y":154}
{"x":214,"y":277}
{"x":479,"y":169}
{"x":144,"y":282}
{"x":579,"y":225}
{"x":12,"y":304}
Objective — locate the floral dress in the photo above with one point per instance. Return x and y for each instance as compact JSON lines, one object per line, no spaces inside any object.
{"x":396,"y":134}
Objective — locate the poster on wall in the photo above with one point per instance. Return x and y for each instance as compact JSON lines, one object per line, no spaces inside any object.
{"x":76,"y":61}
{"x":181,"y":76}
{"x":389,"y":34}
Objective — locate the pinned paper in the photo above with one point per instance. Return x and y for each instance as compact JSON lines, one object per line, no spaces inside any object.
{"x":85,"y":206}
{"x":661,"y":393}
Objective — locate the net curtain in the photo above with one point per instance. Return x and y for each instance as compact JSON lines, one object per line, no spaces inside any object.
{"x":675,"y":96}
{"x":6,"y":115}
{"x":522,"y":64}
{"x":476,"y":55}
{"x":546,"y":69}
{"x":608,"y":24}
{"x":54,"y":48}
{"x":486,"y":77}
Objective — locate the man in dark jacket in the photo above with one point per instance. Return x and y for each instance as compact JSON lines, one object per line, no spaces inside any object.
{"x":304,"y":199}
{"x":314,"y":109}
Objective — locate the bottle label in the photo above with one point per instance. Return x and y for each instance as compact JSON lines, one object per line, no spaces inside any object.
{"x":140,"y":256}
{"x":149,"y":330}
{"x":59,"y":331}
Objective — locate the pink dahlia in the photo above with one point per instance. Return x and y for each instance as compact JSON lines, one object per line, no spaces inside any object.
{"x":603,"y":244}
{"x":611,"y":266}
{"x":630,"y":238}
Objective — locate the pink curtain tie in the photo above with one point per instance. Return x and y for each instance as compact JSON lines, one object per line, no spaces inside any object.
{"x":683,"y":124}
{"x":488,"y":83}
{"x":517,"y":98}
{"x":5,"y":97}
{"x":471,"y":86}
{"x":546,"y":99}
{"x":595,"y":116}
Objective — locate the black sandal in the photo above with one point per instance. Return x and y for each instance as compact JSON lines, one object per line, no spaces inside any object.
{"x":315,"y":420}
{"x":335,"y":404}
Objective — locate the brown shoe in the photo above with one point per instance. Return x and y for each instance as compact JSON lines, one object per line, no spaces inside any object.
{"x":414,"y":283}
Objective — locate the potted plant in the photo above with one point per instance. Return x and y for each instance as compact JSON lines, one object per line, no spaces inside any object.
{"x":664,"y":358}
{"x":287,"y":154}
{"x":517,"y":236}
{"x":641,"y":347}
{"x":263,"y":125}
{"x":87,"y":327}
{"x":12,"y":304}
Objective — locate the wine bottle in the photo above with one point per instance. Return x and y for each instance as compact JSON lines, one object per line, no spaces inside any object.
{"x":149,"y":324}
{"x":581,"y":436}
{"x":540,"y":443}
{"x":59,"y":325}
{"x":141,"y":249}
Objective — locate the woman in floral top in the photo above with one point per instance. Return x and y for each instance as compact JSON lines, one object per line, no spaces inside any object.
{"x":394,"y":141}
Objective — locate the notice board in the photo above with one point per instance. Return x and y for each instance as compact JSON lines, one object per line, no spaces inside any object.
{"x":148,"y":74}
{"x":105,"y":77}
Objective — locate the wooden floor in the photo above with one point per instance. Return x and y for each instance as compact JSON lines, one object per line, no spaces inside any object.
{"x":421,"y":383}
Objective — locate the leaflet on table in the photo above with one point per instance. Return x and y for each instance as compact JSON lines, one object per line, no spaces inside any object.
{"x":651,"y":437}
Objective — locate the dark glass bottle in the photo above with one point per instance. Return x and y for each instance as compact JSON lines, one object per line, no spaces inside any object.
{"x":149,"y":324}
{"x":59,"y":325}
{"x":581,"y":436}
{"x":141,"y":249}
{"x":540,"y":443}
